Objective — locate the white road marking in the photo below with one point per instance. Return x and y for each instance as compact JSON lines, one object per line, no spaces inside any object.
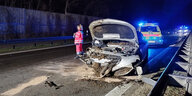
{"x":149,"y":81}
{"x":172,"y":45}
{"x":119,"y":90}
{"x":20,"y":87}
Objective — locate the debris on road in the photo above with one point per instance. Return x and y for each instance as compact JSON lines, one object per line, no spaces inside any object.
{"x":20,"y":87}
{"x":174,"y":91}
{"x":52,"y":84}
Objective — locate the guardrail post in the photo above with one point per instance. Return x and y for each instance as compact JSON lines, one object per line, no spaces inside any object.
{"x":13,"y":46}
{"x":64,"y":41}
{"x":35,"y":44}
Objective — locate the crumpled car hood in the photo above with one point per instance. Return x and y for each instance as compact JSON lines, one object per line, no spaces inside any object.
{"x":110,"y":29}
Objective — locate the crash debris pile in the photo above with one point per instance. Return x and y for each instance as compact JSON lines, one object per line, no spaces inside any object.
{"x":112,"y":53}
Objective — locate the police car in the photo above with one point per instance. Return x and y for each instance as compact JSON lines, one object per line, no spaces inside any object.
{"x":151,"y":33}
{"x":182,"y":31}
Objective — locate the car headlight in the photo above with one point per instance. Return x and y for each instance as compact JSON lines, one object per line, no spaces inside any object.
{"x":185,"y":30}
{"x":180,"y":31}
{"x":98,"y":43}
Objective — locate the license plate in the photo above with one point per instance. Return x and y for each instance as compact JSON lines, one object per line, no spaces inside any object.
{"x":151,"y":41}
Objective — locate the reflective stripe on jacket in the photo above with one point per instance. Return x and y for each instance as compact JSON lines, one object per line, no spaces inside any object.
{"x":78,"y":37}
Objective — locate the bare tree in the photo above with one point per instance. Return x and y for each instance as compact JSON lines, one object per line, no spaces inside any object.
{"x":30,"y":2}
{"x":13,"y":3}
{"x":38,"y":4}
{"x":50,"y":5}
{"x":68,"y":5}
{"x":97,"y":8}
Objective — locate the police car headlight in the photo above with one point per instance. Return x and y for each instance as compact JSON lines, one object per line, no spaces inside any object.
{"x":180,"y":31}
{"x":185,"y":30}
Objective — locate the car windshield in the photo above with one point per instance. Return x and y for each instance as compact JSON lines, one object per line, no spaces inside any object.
{"x":149,"y":28}
{"x":110,"y":31}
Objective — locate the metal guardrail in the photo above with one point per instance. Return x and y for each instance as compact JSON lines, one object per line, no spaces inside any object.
{"x":30,"y":40}
{"x":167,"y":78}
{"x":40,"y":49}
{"x":35,"y":42}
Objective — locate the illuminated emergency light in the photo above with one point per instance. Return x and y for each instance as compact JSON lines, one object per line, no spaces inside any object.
{"x":183,"y":27}
{"x":140,"y":24}
{"x":186,"y":27}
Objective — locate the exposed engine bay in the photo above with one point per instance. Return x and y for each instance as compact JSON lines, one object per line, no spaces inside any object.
{"x":109,"y":56}
{"x":115,"y":48}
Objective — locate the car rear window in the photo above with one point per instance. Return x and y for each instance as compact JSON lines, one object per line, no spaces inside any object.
{"x":149,"y":28}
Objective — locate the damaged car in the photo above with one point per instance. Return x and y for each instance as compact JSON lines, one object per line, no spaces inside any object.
{"x":117,"y":49}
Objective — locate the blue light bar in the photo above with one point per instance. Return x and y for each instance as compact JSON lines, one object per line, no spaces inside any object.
{"x":140,"y":24}
{"x":186,"y":27}
{"x":183,"y":27}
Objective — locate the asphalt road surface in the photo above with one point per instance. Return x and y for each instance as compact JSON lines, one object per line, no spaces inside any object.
{"x":55,"y":73}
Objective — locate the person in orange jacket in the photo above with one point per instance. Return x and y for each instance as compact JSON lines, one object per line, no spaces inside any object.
{"x":79,"y":41}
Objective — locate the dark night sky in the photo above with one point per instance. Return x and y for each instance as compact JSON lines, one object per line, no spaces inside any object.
{"x":165,"y":12}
